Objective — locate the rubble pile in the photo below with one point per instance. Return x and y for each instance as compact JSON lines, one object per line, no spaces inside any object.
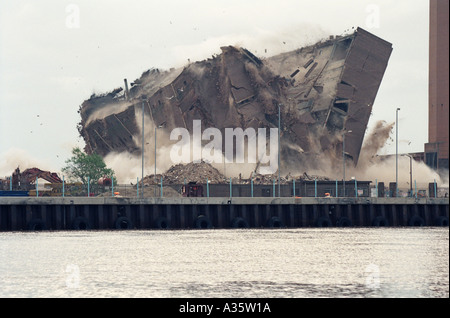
{"x":203,"y":171}
{"x":269,"y":179}
{"x":191,"y":172}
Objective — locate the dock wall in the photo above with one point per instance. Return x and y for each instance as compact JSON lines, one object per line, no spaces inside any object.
{"x":108,"y":213}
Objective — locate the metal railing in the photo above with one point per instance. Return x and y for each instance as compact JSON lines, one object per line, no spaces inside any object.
{"x":292,"y":188}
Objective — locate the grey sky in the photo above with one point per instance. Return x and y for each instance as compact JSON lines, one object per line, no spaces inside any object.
{"x":55,"y":54}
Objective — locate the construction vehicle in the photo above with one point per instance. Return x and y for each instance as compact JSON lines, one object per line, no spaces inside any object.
{"x":192,"y":189}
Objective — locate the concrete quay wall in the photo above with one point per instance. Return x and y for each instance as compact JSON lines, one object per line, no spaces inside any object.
{"x":115,"y":213}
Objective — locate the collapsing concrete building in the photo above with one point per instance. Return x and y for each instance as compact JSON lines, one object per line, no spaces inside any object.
{"x":321,"y":91}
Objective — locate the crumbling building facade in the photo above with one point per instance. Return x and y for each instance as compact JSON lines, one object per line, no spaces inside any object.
{"x":321,"y":91}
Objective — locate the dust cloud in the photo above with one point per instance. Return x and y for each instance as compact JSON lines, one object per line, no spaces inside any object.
{"x":371,"y":166}
{"x":111,"y":108}
{"x":376,"y":168}
{"x":262,"y":42}
{"x":16,"y":157}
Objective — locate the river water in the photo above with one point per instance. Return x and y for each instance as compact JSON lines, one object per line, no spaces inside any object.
{"x":222,"y":263}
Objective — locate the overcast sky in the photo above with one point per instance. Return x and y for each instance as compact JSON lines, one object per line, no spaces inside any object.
{"x":54,"y":54}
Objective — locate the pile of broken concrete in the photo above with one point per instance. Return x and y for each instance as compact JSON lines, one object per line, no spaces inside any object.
{"x":203,"y":171}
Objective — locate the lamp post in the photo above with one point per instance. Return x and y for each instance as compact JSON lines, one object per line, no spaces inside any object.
{"x":142,"y":176}
{"x":410,"y":173}
{"x":396,"y":152}
{"x":279,"y":149}
{"x":343,"y":157}
{"x":156,"y":127}
{"x":155,"y":163}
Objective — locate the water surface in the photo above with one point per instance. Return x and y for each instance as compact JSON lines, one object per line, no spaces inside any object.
{"x":221,"y":263}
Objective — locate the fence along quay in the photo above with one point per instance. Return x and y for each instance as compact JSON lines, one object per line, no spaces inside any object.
{"x":107,"y":213}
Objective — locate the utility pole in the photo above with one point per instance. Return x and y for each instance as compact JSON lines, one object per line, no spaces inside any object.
{"x":343,"y":159}
{"x":396,"y":152}
{"x":156,"y":127}
{"x":279,"y":149}
{"x":410,"y":175}
{"x":142,"y":176}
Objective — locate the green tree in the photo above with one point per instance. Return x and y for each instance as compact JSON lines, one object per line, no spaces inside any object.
{"x":83,"y":167}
